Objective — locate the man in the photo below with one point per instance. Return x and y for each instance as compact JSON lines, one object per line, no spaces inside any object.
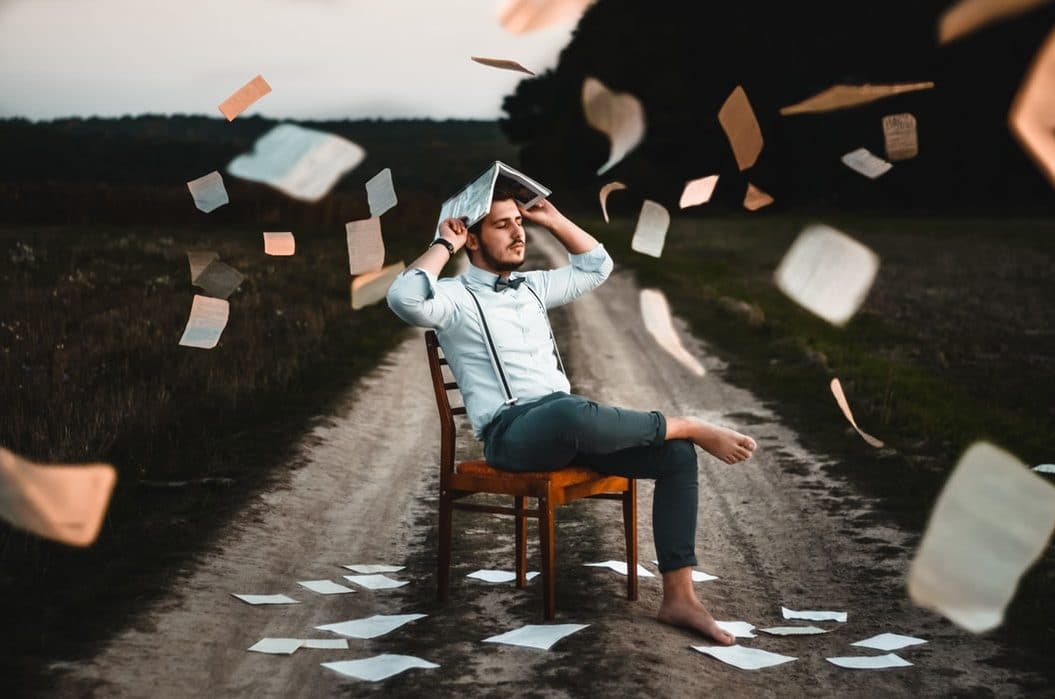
{"x":497,"y":339}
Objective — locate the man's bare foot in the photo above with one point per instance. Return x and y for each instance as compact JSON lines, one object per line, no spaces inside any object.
{"x":691,"y":614}
{"x":728,"y":445}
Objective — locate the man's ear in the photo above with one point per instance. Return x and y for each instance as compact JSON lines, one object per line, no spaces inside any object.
{"x":472,"y":242}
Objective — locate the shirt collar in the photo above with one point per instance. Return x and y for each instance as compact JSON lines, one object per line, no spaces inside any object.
{"x":482,"y":277}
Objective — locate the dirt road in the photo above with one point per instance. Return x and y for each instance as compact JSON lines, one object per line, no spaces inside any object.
{"x":775,"y":530}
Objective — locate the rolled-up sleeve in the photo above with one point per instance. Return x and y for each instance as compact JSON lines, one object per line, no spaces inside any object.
{"x":418,"y":300}
{"x":587,"y":271}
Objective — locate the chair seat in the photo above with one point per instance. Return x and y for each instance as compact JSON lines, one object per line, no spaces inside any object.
{"x":566,"y":476}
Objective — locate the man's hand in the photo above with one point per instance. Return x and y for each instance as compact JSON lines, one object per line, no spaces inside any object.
{"x":543,"y":214}
{"x":453,"y":230}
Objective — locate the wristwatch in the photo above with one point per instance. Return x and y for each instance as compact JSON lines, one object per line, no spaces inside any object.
{"x":445,"y":243}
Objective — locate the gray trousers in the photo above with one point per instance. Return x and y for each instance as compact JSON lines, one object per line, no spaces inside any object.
{"x":562,"y":429}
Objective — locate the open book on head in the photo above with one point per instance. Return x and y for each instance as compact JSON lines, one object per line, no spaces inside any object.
{"x":473,"y":201}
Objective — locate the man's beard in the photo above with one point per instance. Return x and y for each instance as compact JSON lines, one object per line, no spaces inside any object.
{"x":498,"y":265}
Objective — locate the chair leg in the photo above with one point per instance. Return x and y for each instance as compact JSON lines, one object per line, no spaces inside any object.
{"x":630,"y":530}
{"x":521,"y":541}
{"x":443,"y":560}
{"x":549,"y":577}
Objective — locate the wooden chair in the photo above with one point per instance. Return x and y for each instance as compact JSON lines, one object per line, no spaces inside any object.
{"x":549,"y":488}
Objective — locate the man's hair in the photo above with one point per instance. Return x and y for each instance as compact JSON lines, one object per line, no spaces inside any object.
{"x":504,"y":190}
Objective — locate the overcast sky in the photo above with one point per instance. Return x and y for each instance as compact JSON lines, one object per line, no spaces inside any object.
{"x":323,"y":58}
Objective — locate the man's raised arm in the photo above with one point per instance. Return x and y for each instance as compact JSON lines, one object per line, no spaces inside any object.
{"x":413,"y":296}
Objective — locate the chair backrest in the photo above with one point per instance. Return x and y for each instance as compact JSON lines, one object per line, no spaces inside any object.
{"x":440,"y":387}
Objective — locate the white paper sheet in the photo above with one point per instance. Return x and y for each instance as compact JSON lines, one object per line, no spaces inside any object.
{"x":501,"y":63}
{"x":697,"y":191}
{"x":381,"y":192}
{"x":208,"y":318}
{"x":618,"y":115}
{"x":219,"y":280}
{"x":541,"y":636}
{"x":1032,"y":114}
{"x":603,"y":195}
{"x":813,"y":615}
{"x":372,"y":626}
{"x":324,"y":643}
{"x":744,"y":658}
{"x":899,"y":136}
{"x":266,"y":599}
{"x":651,"y":231}
{"x":281,"y":244}
{"x":199,"y":260}
{"x":208,"y":192}
{"x":991,"y":522}
{"x":755,"y":198}
{"x":620,"y":567}
{"x":378,"y":667}
{"x":369,"y":288}
{"x":276,"y":646}
{"x":375,"y":582}
{"x":523,"y":16}
{"x":870,"y":662}
{"x":889,"y":641}
{"x":1044,"y":468}
{"x":325,"y":587}
{"x":499,"y":576}
{"x":737,"y":119}
{"x":862,"y":161}
{"x":371,"y":568}
{"x":793,"y":630}
{"x":366,"y":247}
{"x":655,"y":312}
{"x":844,"y":96}
{"x":840,"y":398}
{"x":244,"y":97}
{"x":739,"y":629}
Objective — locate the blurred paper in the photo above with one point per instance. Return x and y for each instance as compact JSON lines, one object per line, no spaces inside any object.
{"x":605,"y":191}
{"x":324,"y":643}
{"x":208,"y":318}
{"x":862,"y":161}
{"x":651,"y":230}
{"x":1032,"y":115}
{"x":813,"y":616}
{"x":301,"y":163}
{"x":499,"y":576}
{"x":968,"y":15}
{"x":61,"y":502}
{"x":366,"y":248}
{"x":828,"y":273}
{"x":379,"y":667}
{"x":889,"y":641}
{"x":219,"y":280}
{"x":277,"y":646}
{"x":991,"y":522}
{"x":502,"y":63}
{"x":755,"y":198}
{"x":244,"y":97}
{"x":843,"y":96}
{"x":375,"y":582}
{"x":620,"y":567}
{"x":741,"y":128}
{"x":739,"y":629}
{"x":266,"y":599}
{"x":381,"y":193}
{"x":618,"y":115}
{"x":198,"y":261}
{"x":371,"y":568}
{"x":523,"y":16}
{"x":840,"y":398}
{"x":369,"y":288}
{"x":744,"y":658}
{"x":280,"y":244}
{"x":697,"y":192}
{"x":870,"y":662}
{"x":325,"y":587}
{"x":1044,"y":468}
{"x":208,"y":192}
{"x":899,"y":136}
{"x":536,"y":636}
{"x":656,"y":314}
{"x":372,"y":626}
{"x":793,"y":630}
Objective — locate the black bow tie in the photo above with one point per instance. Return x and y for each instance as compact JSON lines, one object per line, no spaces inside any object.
{"x":501,"y":283}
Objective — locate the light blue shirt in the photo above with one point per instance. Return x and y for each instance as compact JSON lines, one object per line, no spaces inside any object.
{"x":518,"y":325}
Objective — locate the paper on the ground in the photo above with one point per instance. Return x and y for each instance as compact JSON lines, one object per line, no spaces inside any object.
{"x":473,"y":201}
{"x":862,"y":161}
{"x":1044,"y":468}
{"x":991,"y":522}
{"x":378,"y":667}
{"x":301,"y":163}
{"x":366,"y":248}
{"x":502,"y":63}
{"x":277,"y":646}
{"x":889,"y":641}
{"x":840,"y":398}
{"x":870,"y":662}
{"x":266,"y":599}
{"x":198,"y":261}
{"x":755,"y":198}
{"x":1032,"y":115}
{"x":499,"y":576}
{"x":61,"y":502}
{"x":968,"y":15}
{"x":813,"y":615}
{"x":744,"y":658}
{"x":372,"y":626}
{"x":655,"y":311}
{"x":605,"y":191}
{"x":741,"y":128}
{"x":620,"y":567}
{"x":899,"y":136}
{"x":324,"y":643}
{"x":651,"y":231}
{"x":244,"y":97}
{"x":541,"y":636}
{"x":369,"y":288}
{"x":618,"y":115}
{"x":208,"y":318}
{"x":828,"y":273}
{"x":325,"y":587}
{"x":208,"y":192}
{"x":375,"y":582}
{"x":523,"y":16}
{"x":219,"y":280}
{"x":371,"y":568}
{"x":843,"y":96}
{"x":739,"y":629}
{"x":380,"y":192}
{"x":280,"y":244}
{"x":793,"y":630}
{"x":697,"y":191}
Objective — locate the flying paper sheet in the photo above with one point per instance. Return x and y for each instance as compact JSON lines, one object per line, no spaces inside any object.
{"x":899,"y":136}
{"x":840,"y":398}
{"x":862,"y":161}
{"x":59,"y":502}
{"x":656,"y":313}
{"x":499,"y":576}
{"x":793,"y":630}
{"x":502,"y":63}
{"x":244,"y":97}
{"x":1032,"y":115}
{"x":991,"y":522}
{"x":219,"y":280}
{"x":697,"y":192}
{"x":324,"y":643}
{"x":536,"y":636}
{"x":697,"y":575}
{"x":651,"y":231}
{"x":620,"y":567}
{"x":889,"y":641}
{"x":208,"y":318}
{"x":828,"y":273}
{"x":755,"y":198}
{"x":279,"y":244}
{"x":870,"y":662}
{"x":371,"y":627}
{"x":1044,"y":468}
{"x":198,"y":261}
{"x":379,"y":667}
{"x":325,"y":587}
{"x":618,"y":115}
{"x":277,"y":646}
{"x":371,"y":568}
{"x":739,"y":629}
{"x":813,"y":616}
{"x":968,"y":15}
{"x":380,"y":192}
{"x":266,"y":599}
{"x":744,"y":658}
{"x":369,"y":288}
{"x":366,"y":249}
{"x":741,"y":128}
{"x":605,"y":191}
{"x":301,"y":163}
{"x":375,"y":582}
{"x":208,"y":192}
{"x":523,"y":16}
{"x":843,"y":96}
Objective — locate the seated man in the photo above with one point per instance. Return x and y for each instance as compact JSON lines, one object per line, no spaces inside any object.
{"x":496,"y":336}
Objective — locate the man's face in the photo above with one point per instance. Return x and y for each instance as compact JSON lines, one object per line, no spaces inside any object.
{"x":501,"y":244}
